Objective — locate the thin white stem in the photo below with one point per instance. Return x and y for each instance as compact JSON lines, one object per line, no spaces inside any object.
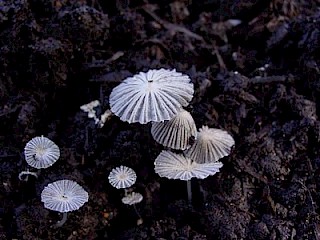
{"x":62,"y":221}
{"x":137,"y":212}
{"x":189,"y":191}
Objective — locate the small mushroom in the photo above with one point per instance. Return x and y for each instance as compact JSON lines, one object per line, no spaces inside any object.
{"x":211,"y":145}
{"x":175,"y":133}
{"x":154,"y":96}
{"x":64,"y":196}
{"x":122,"y":177}
{"x":132,"y":199}
{"x":41,"y":152}
{"x":177,"y":166}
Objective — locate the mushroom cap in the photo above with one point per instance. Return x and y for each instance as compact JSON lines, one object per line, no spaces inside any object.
{"x":132,"y":198}
{"x":176,"y":166}
{"x":122,"y":177}
{"x":156,"y":95}
{"x":176,"y":132}
{"x":64,"y":196}
{"x":41,"y":152}
{"x":211,"y":145}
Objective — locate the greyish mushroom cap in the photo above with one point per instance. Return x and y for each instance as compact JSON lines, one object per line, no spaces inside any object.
{"x":176,"y":132}
{"x":41,"y":152}
{"x":176,"y":166}
{"x":64,"y":196}
{"x":211,"y":145}
{"x":154,"y":96}
{"x":122,"y":177}
{"x":132,"y":198}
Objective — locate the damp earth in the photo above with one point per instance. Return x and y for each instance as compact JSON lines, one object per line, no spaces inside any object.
{"x":255,"y":68}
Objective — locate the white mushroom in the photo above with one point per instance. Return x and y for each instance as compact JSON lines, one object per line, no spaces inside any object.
{"x":175,"y":133}
{"x":41,"y":152}
{"x":211,"y":145}
{"x":132,"y":198}
{"x":156,"y":95}
{"x":122,"y":177}
{"x":176,"y":166}
{"x":64,"y":196}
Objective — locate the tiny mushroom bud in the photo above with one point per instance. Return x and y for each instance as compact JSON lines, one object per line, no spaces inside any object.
{"x":89,"y":108}
{"x":154,"y":96}
{"x":122,"y":177}
{"x":175,"y":133}
{"x":211,"y":145}
{"x":41,"y":152}
{"x":64,"y":196}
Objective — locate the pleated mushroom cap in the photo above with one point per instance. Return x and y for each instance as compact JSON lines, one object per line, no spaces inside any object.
{"x":211,"y":145}
{"x":122,"y":177}
{"x":176,"y":132}
{"x":64,"y":196}
{"x":132,"y":198}
{"x":41,"y":152}
{"x":156,"y":95}
{"x":176,"y":166}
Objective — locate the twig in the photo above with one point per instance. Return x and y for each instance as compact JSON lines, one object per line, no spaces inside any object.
{"x":170,"y":26}
{"x":220,"y":59}
{"x":269,"y":79}
{"x":4,"y":113}
{"x":104,"y":63}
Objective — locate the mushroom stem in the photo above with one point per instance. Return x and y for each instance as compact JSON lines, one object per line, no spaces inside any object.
{"x":189,"y":191}
{"x":62,"y":221}
{"x":136,"y":210}
{"x":140,"y":220}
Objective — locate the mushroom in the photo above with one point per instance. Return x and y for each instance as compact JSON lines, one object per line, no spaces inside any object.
{"x":132,"y":199}
{"x":64,"y":196}
{"x":154,"y":96}
{"x":175,"y":133}
{"x":177,"y":166}
{"x":211,"y":145}
{"x":122,"y":177}
{"x":40,"y":152}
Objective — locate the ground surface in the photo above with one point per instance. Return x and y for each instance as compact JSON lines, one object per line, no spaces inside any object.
{"x":259,"y":80}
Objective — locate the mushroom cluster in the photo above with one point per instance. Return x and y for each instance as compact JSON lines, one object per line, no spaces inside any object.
{"x":124,"y":177}
{"x":159,"y":97}
{"x":199,"y":161}
{"x":62,"y":196}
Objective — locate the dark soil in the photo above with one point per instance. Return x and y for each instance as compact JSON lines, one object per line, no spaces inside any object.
{"x":258,"y":80}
